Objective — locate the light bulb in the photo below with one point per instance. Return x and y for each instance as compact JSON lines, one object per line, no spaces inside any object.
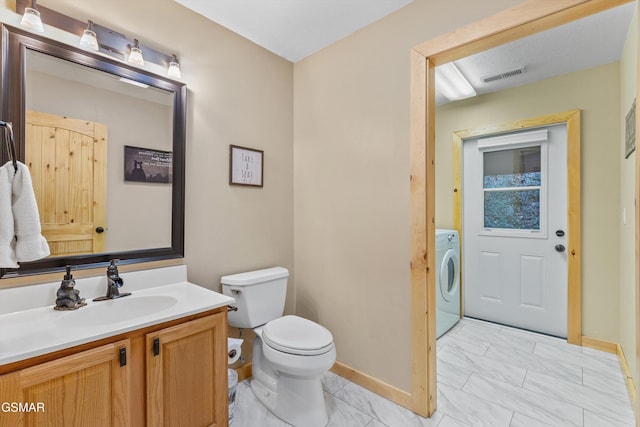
{"x":135,"y":55}
{"x":174,"y":68}
{"x":31,"y":19}
{"x":89,"y":40}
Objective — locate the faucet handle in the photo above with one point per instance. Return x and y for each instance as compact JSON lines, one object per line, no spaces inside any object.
{"x":114,"y":281}
{"x":112,"y":269}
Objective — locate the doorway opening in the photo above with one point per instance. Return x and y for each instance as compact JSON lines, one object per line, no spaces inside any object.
{"x":530,"y":17}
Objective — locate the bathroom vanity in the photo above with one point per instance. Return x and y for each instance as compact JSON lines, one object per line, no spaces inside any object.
{"x":159,"y":360}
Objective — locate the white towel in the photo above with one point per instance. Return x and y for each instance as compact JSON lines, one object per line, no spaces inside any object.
{"x":7,"y":248}
{"x":30,"y":243}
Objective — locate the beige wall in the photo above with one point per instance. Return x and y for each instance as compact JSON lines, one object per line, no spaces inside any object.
{"x":628,"y":88}
{"x":351,"y":196}
{"x":596,"y":93}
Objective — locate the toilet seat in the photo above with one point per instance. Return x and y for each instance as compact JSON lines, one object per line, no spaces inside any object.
{"x":296,"y":335}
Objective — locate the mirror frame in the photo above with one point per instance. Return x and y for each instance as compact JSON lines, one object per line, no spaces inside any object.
{"x":14,"y":43}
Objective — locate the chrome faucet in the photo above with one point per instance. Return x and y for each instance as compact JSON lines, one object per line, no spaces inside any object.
{"x":114,"y":282}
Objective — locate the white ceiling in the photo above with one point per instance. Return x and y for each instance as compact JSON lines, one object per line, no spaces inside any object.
{"x":294,"y":29}
{"x":579,"y":45}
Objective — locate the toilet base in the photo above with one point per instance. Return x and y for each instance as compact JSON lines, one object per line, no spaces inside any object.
{"x":299,"y":401}
{"x":289,"y":385}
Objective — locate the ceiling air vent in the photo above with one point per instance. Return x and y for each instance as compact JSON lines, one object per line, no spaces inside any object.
{"x":506,"y":74}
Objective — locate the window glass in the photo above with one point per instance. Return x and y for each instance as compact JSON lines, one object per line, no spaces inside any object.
{"x":515,"y":209}
{"x":512,"y":183}
{"x":512,"y":168}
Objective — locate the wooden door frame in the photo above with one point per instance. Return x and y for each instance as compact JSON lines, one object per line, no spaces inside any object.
{"x":527,"y":18}
{"x":574,"y":281}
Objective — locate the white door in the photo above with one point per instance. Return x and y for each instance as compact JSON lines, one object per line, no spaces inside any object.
{"x":515,"y":229}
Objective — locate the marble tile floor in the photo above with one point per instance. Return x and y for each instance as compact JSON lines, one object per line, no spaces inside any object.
{"x":488,"y":375}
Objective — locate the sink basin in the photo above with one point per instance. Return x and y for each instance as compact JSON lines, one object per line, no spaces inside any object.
{"x":116,"y":311}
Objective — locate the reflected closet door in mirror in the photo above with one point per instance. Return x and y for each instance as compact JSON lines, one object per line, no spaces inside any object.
{"x":67,"y":158}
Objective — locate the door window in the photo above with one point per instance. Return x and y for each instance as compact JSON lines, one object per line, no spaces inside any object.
{"x":513,"y":189}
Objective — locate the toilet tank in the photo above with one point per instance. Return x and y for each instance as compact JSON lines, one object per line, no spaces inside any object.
{"x":259,"y":296}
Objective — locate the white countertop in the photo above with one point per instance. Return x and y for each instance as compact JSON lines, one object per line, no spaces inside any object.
{"x":40,"y":330}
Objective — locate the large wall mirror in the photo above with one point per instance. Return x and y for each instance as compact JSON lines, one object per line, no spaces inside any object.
{"x":105,"y":145}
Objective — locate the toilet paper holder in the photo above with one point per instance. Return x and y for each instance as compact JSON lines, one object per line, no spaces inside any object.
{"x":232,"y":308}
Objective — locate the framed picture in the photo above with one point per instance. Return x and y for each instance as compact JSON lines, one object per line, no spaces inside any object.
{"x":148,"y":165}
{"x":245,"y":166}
{"x":630,"y":131}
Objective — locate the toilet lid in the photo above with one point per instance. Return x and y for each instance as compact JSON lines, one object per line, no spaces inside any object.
{"x":296,"y":335}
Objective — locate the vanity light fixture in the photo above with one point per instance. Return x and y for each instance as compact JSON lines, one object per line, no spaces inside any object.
{"x":135,"y":54}
{"x":174,"y":68}
{"x":31,"y":18}
{"x":89,"y":40}
{"x":452,"y":83}
{"x":111,"y":43}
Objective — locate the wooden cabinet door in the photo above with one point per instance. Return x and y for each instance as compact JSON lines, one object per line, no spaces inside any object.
{"x":89,"y":388}
{"x":67,"y":159}
{"x":187,"y":374}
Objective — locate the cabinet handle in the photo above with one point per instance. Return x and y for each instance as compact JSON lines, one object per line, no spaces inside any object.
{"x":123,"y":356}
{"x":156,"y":346}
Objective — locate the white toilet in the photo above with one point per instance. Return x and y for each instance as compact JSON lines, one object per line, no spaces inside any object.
{"x":290,"y":354}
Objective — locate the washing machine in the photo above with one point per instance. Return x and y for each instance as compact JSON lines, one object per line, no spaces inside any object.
{"x":447,"y":280}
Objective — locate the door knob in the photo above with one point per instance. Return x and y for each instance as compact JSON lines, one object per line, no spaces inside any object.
{"x":560,"y":248}
{"x":99,"y":230}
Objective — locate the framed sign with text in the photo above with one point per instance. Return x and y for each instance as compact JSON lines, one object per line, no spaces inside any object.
{"x":245,"y":166}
